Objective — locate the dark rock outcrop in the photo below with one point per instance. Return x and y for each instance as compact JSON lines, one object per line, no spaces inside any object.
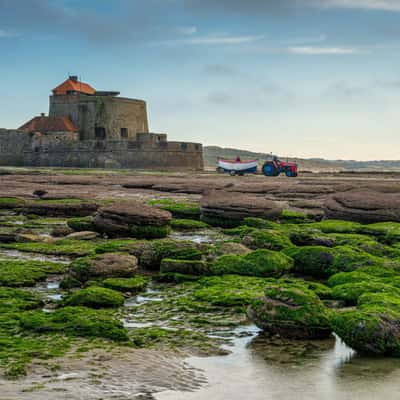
{"x":365,"y":206}
{"x":221,"y":208}
{"x":132,"y":219}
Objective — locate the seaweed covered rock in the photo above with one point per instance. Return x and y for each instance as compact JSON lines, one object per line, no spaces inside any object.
{"x":220,"y":208}
{"x":15,"y":273}
{"x":81,"y":224}
{"x":229,"y":290}
{"x":95,"y":297}
{"x":131,"y":285}
{"x":351,"y":292}
{"x":133,"y":219}
{"x":231,"y":248}
{"x":291,"y":310}
{"x":189,"y":267}
{"x":188,"y":224}
{"x":262,"y":263}
{"x":108,"y":265}
{"x":14,"y":300}
{"x":151,"y":253}
{"x":365,"y":206}
{"x":374,"y":327}
{"x":75,"y":321}
{"x":60,"y":208}
{"x":178,"y":209}
{"x":322,"y":262}
{"x":266,"y":239}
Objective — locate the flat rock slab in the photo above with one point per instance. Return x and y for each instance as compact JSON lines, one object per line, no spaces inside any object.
{"x":365,"y":206}
{"x":238,"y":206}
{"x":118,"y":219}
{"x":68,"y":209}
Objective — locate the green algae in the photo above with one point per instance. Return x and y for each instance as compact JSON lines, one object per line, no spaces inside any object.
{"x":132,"y":285}
{"x":178,"y":209}
{"x":75,"y":321}
{"x":190,"y":267}
{"x":291,"y":309}
{"x":95,"y":297}
{"x":350,"y":292}
{"x":27,"y":273}
{"x":267,"y":239}
{"x":81,"y":224}
{"x":188,"y":224}
{"x":322,"y":262}
{"x":262,"y":263}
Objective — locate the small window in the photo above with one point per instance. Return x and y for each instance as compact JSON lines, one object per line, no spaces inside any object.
{"x":124,"y":132}
{"x":183,"y":146}
{"x":100,"y":132}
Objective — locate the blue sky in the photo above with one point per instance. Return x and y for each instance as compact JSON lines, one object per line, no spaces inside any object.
{"x":306,"y":78}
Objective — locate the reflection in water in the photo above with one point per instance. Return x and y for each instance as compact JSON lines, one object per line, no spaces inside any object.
{"x":263,"y":368}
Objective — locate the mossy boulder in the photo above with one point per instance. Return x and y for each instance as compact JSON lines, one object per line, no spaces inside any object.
{"x":15,"y":300}
{"x":262,"y":263}
{"x":350,"y":292}
{"x":15,"y":273}
{"x":290,"y":310}
{"x":133,"y":219}
{"x":189,"y":267}
{"x":309,"y":237}
{"x":294,"y":217}
{"x":11,"y":202}
{"x":73,"y":248}
{"x":229,"y":290}
{"x":95,"y":297}
{"x":108,"y":265}
{"x":81,"y":224}
{"x":188,"y":224}
{"x":234,"y":248}
{"x":178,"y":209}
{"x":373,"y":328}
{"x":266,"y":239}
{"x":322,"y":262}
{"x":387,"y":232}
{"x":336,"y":226}
{"x":150,"y":253}
{"x":131,"y":285}
{"x":75,"y":321}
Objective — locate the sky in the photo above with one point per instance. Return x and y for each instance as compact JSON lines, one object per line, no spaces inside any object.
{"x":302,"y":78}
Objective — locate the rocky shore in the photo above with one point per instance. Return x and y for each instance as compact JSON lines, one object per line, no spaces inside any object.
{"x":124,"y":274}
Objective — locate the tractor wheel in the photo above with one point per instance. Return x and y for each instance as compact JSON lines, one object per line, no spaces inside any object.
{"x":269,"y":169}
{"x":232,"y":173}
{"x":291,"y":174}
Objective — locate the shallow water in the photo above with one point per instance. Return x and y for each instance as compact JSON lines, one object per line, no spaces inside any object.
{"x":261,"y":368}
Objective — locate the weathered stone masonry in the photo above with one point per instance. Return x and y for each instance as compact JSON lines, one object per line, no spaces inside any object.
{"x":149,"y":151}
{"x":94,"y":129}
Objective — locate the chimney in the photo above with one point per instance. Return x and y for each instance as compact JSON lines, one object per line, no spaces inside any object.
{"x":73,"y":78}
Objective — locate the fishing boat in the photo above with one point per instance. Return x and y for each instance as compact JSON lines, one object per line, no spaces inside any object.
{"x":237,"y":167}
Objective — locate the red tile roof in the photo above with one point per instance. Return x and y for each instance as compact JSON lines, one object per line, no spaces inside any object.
{"x":49,"y":124}
{"x":75,"y":86}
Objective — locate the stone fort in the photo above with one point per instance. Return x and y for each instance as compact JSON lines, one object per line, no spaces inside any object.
{"x":88,"y":128}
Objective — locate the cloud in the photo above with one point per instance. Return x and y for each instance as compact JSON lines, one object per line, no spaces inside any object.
{"x":186,"y":30}
{"x":384,"y":5}
{"x":275,"y":7}
{"x":7,"y":34}
{"x":315,"y":51}
{"x":215,"y":40}
{"x":220,"y":70}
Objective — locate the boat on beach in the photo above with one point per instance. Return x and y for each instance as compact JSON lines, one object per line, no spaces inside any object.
{"x":237,"y":167}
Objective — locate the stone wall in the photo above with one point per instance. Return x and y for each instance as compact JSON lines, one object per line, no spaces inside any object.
{"x":108,"y":112}
{"x":149,"y":151}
